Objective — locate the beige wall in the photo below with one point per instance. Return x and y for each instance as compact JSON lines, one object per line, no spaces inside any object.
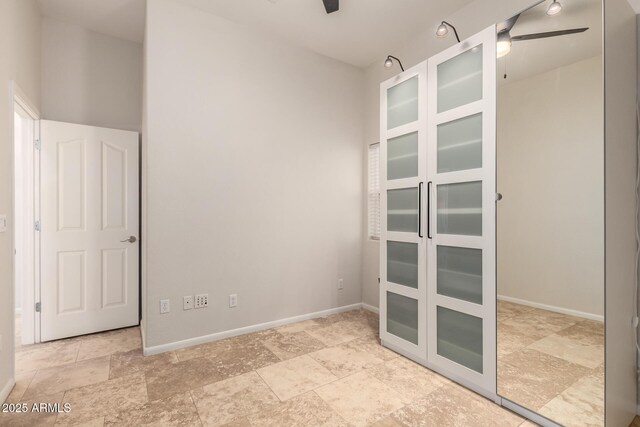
{"x":550,"y":154}
{"x":469,"y":20}
{"x":90,"y":78}
{"x":253,"y":176}
{"x":19,"y":61}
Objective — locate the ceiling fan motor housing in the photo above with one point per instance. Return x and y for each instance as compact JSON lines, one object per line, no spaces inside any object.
{"x":331,"y":5}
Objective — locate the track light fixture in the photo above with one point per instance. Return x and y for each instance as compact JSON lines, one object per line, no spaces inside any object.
{"x":504,"y":44}
{"x":388,"y":63}
{"x":443,"y":30}
{"x":554,"y":8}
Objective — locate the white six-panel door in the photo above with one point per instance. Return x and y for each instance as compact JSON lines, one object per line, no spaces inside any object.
{"x":89,"y":229}
{"x":403,"y":170}
{"x":461,"y":243}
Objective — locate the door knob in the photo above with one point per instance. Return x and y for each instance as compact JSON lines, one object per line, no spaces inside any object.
{"x":131,"y":239}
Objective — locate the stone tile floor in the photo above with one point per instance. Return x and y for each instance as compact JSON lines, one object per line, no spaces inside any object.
{"x":329,"y":371}
{"x":552,"y":363}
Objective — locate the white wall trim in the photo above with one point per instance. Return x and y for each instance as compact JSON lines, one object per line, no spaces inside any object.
{"x":370,"y":308}
{"x":150,"y":351}
{"x":4,"y":393}
{"x":584,"y":315}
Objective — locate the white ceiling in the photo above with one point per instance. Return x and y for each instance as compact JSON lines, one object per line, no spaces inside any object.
{"x":531,"y":57}
{"x":360,"y":33}
{"x":118,"y":18}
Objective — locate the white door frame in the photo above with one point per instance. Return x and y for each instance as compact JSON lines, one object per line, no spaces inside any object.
{"x":30,"y":332}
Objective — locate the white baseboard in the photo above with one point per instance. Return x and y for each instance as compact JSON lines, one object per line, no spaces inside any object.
{"x":371,"y":308}
{"x":4,"y":393}
{"x":553,"y":308}
{"x":150,"y":351}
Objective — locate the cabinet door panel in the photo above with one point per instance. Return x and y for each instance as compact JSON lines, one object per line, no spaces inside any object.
{"x":402,"y":210}
{"x":403,"y":139}
{"x":402,"y":103}
{"x":402,"y":317}
{"x":402,"y":156}
{"x":460,"y":144}
{"x":402,"y":263}
{"x":461,"y":251}
{"x":460,"y":79}
{"x":460,"y":273}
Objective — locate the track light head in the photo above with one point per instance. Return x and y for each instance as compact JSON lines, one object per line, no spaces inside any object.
{"x":504,"y":44}
{"x":442,"y":30}
{"x":554,"y":8}
{"x":388,"y":63}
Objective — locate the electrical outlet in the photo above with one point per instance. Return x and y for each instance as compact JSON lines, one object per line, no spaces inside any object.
{"x":202,"y":301}
{"x":187,"y":303}
{"x":165,"y":306}
{"x":233,"y":300}
{"x":340,"y":283}
{"x":3,"y":223}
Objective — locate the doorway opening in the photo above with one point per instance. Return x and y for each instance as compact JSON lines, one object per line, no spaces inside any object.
{"x":25,"y":214}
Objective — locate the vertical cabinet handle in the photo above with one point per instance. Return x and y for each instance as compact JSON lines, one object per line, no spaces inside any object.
{"x":420,"y":209}
{"x":429,"y":210}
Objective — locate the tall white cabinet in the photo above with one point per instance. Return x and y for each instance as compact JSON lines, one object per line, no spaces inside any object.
{"x":437,"y":293}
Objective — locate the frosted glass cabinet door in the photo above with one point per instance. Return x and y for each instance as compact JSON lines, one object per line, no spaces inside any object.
{"x":402,"y":317}
{"x":460,"y":80}
{"x":460,"y":208}
{"x":460,"y":144}
{"x":460,"y":273}
{"x":403,"y":163}
{"x":402,"y":263}
{"x":402,"y":156}
{"x":402,"y":210}
{"x":402,"y":103}
{"x":460,"y":338}
{"x":461,"y":284}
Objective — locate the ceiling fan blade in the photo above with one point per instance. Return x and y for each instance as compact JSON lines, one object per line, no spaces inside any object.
{"x":548,"y":34}
{"x":508,"y":24}
{"x":331,"y":5}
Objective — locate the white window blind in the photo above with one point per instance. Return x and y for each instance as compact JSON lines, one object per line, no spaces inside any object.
{"x":374,"y":191}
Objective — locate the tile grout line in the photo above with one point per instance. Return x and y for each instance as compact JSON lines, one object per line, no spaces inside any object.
{"x":267,"y":384}
{"x":193,"y":402}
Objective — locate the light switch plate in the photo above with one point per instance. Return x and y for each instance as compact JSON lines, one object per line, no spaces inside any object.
{"x":187,"y":303}
{"x":3,"y":223}
{"x":233,"y":300}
